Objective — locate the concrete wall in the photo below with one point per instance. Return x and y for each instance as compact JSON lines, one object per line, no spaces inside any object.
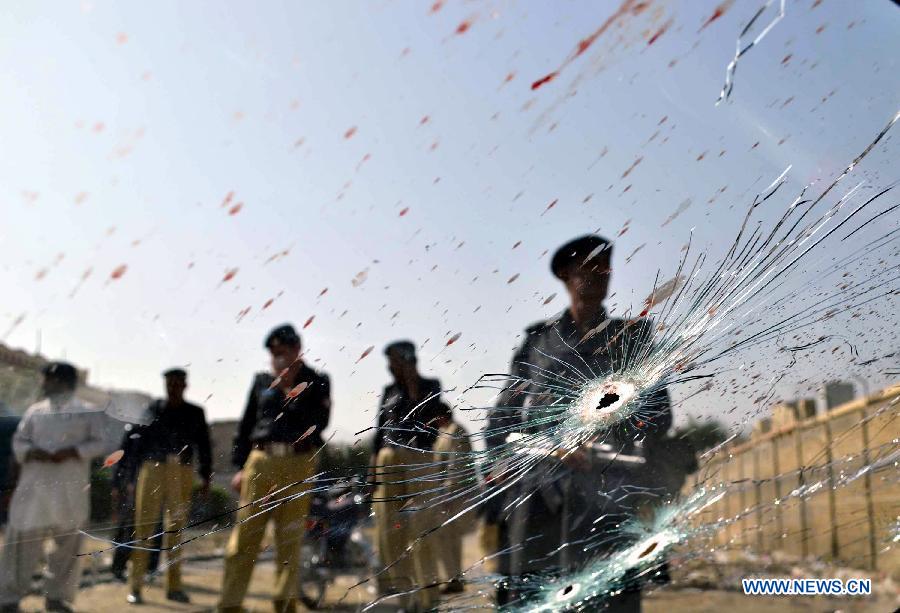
{"x":851,"y":524}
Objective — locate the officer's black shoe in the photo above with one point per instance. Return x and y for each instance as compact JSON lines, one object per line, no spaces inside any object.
{"x":178,"y":596}
{"x":134,"y":598}
{"x":285,"y":606}
{"x":57,"y":606}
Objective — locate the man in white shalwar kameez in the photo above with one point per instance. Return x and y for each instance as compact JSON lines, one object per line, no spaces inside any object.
{"x":54,"y":444}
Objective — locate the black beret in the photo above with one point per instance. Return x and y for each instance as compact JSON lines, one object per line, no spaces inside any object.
{"x":285,"y":334}
{"x":404,"y":349}
{"x":581,"y":249}
{"x":61,"y":371}
{"x":175,"y":372}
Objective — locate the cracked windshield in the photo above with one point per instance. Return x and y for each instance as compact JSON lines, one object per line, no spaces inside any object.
{"x":450,"y":306}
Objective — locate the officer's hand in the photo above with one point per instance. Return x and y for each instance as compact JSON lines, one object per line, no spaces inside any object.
{"x":576,"y":459}
{"x":237,"y":480}
{"x":69,"y":453}
{"x":38,"y":455}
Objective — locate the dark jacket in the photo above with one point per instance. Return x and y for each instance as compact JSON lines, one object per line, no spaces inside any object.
{"x":166,"y":431}
{"x":270,"y":416}
{"x":406,"y":422}
{"x":563,"y":504}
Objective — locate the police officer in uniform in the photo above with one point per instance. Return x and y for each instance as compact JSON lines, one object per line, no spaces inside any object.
{"x":563,"y":509}
{"x":408,"y":421}
{"x":163,"y":451}
{"x":277,"y":438}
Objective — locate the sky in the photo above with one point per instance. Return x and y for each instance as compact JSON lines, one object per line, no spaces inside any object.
{"x":178,"y":178}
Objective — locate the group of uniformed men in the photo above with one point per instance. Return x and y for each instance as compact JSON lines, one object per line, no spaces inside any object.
{"x":281,"y":429}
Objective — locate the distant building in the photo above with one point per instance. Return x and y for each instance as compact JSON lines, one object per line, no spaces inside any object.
{"x":20,"y":386}
{"x":837,"y":393}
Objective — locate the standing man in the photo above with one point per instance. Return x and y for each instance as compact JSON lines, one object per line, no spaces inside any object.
{"x":581,"y":340}
{"x":54,"y":443}
{"x":163,"y":448}
{"x":124,"y":478}
{"x":402,"y":450}
{"x":453,"y":453}
{"x":280,"y":432}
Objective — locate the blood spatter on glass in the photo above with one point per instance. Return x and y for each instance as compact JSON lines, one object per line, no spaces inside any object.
{"x":550,"y":206}
{"x":662,"y":30}
{"x":350,"y":132}
{"x":229,"y":275}
{"x":234,"y":210}
{"x":309,"y":321}
{"x":118,"y":272}
{"x":628,"y":7}
{"x":297,"y":390}
{"x":113,"y":458}
{"x":634,"y":165}
{"x":365,"y":353}
{"x":463,"y":26}
{"x":403,"y":212}
{"x":716,"y":14}
{"x":453,"y":339}
{"x":242,"y":314}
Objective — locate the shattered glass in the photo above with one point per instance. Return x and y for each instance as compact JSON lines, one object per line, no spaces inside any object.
{"x":707,"y":393}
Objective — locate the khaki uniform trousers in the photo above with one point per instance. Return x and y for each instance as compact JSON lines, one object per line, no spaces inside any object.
{"x":396,"y":530}
{"x":452,"y":453}
{"x":268,"y":479}
{"x":162,"y":487}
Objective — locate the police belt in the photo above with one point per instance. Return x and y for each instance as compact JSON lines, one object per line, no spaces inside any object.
{"x":280,"y":450}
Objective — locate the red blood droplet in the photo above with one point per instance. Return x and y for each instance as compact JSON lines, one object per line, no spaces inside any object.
{"x":365,"y":353}
{"x":267,"y":303}
{"x":404,"y":211}
{"x":121,"y":38}
{"x":453,"y":339}
{"x":113,"y":458}
{"x":424,"y":120}
{"x":543,"y":80}
{"x":229,"y":275}
{"x":350,"y":132}
{"x":228,"y":198}
{"x":323,"y":292}
{"x":118,"y":271}
{"x":236,"y":208}
{"x":438,"y":5}
{"x":309,"y":322}
{"x":718,"y":12}
{"x":463,"y":27}
{"x":659,"y":33}
{"x":297,"y":390}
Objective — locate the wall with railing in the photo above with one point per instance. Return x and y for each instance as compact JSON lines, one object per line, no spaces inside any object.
{"x":850,"y":514}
